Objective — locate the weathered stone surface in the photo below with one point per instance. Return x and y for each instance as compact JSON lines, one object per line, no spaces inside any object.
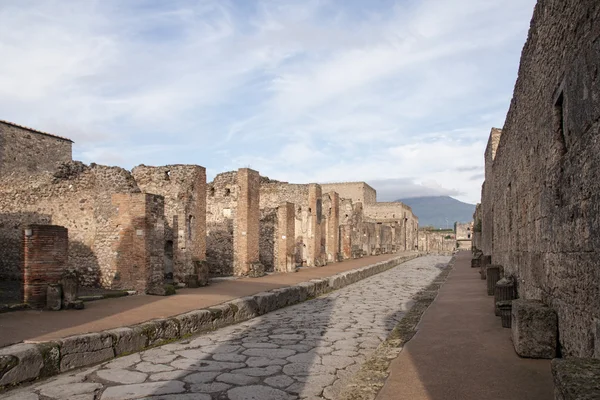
{"x":237,"y":379}
{"x":245,"y":308}
{"x":257,"y":392}
{"x":122,"y":376}
{"x":81,"y":350}
{"x":279,"y":381}
{"x":71,"y":390}
{"x":127,"y":392}
{"x":128,"y":340}
{"x":29,"y":363}
{"x":576,"y":378}
{"x":54,"y":297}
{"x":534,"y":329}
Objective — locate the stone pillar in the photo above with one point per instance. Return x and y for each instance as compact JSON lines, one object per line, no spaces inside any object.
{"x":346,"y":241}
{"x":333,"y":228}
{"x":286,"y":240}
{"x":45,"y":256}
{"x":139,"y":245}
{"x":314,"y":257}
{"x":246,"y":231}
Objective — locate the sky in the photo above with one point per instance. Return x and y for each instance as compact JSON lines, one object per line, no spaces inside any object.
{"x":401,"y":94}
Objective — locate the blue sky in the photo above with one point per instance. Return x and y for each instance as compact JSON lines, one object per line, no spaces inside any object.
{"x":401,"y":94}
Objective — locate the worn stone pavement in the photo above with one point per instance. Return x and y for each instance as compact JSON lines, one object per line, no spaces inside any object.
{"x":306,"y":351}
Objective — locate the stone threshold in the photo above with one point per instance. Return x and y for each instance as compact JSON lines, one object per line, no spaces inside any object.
{"x":24,"y":362}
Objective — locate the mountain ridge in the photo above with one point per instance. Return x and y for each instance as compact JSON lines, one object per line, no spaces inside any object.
{"x":439,"y":211}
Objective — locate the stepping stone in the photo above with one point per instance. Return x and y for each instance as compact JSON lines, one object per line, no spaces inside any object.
{"x":121,"y":376}
{"x":127,"y":392}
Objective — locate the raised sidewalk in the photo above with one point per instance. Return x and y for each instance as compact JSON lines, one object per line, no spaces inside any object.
{"x":60,"y":341}
{"x":461,"y":351}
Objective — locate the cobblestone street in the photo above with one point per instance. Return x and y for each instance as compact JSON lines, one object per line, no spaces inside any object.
{"x":307,"y":351}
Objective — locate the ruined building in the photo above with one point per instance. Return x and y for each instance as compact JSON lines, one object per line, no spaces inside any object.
{"x":464,"y":235}
{"x":135,"y":229}
{"x":540,"y":201}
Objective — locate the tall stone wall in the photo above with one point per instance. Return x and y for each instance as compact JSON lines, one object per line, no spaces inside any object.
{"x":477,"y":224}
{"x":358,"y":192}
{"x":184,"y":190}
{"x":75,"y":196}
{"x":315,"y":251}
{"x":542,"y":191}
{"x":221,"y":207}
{"x":25,"y":151}
{"x":487,"y":233}
{"x":285,"y":238}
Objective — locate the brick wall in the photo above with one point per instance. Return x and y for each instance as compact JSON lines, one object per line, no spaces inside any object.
{"x":45,"y":259}
{"x":246,"y":232}
{"x":358,"y":192}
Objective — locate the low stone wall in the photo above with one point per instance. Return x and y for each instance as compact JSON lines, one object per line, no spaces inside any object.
{"x":25,"y":362}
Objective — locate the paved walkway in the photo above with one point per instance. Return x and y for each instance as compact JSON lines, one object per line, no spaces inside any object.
{"x":105,"y":314}
{"x":461,"y":351}
{"x":306,"y":351}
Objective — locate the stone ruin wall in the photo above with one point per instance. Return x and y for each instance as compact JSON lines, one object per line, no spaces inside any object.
{"x":24,"y":151}
{"x":184,"y":190}
{"x":486,"y":192}
{"x":358,"y":192}
{"x":436,"y":242}
{"x":400,"y":217}
{"x":221,"y":205}
{"x":464,"y":235}
{"x":77,"y":197}
{"x":541,"y":203}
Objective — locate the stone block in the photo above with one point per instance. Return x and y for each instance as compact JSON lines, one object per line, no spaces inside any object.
{"x":534,"y":329}
{"x":222,"y":315}
{"x":70,"y":288}
{"x":309,"y":287}
{"x":504,"y":291}
{"x":202,"y":272}
{"x":266,"y":302}
{"x":20,"y":363}
{"x":245,"y":308}
{"x":160,"y":330}
{"x":492,"y":276}
{"x":576,"y":378}
{"x":597,"y":338}
{"x":54,"y":296}
{"x":81,"y":350}
{"x":128,"y":340}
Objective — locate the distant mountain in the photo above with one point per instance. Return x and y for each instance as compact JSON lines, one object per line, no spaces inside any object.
{"x":434,"y":210}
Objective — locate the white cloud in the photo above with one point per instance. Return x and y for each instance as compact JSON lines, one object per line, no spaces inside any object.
{"x":403,"y":92}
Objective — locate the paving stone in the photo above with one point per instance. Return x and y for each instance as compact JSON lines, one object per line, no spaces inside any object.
{"x":269,"y":353}
{"x":237,"y":379}
{"x":303,"y":369}
{"x":201,"y":377}
{"x":266,"y":371}
{"x":127,"y":392}
{"x":231,"y":357}
{"x":169,"y":375}
{"x":205,"y":365}
{"x":122,"y":376}
{"x":260,"y":345}
{"x":149,"y":367}
{"x":257,"y":392}
{"x":124,"y":362}
{"x":22,"y":396}
{"x":339,"y":362}
{"x":213,"y":387}
{"x":186,"y":396}
{"x":311,"y":358}
{"x":70,"y":390}
{"x":279,"y":381}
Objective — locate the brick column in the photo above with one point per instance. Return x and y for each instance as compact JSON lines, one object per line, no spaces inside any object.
{"x":286,"y":240}
{"x":313,"y":246}
{"x":139,"y":246}
{"x":333,"y":228}
{"x":246,"y":231}
{"x":45,"y":251}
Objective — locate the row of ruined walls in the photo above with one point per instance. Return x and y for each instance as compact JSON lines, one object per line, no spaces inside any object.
{"x":326,"y":228}
{"x":541,"y":197}
{"x":436,"y":242}
{"x":123,"y":227}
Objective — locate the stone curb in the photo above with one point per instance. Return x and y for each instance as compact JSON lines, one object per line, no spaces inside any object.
{"x":25,"y":362}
